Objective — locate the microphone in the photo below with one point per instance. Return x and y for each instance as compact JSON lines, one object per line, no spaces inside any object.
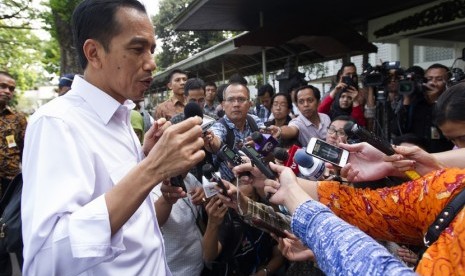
{"x":280,"y":155}
{"x":264,"y":143}
{"x":309,"y":167}
{"x":355,"y":131}
{"x":193,"y":109}
{"x":209,"y":177}
{"x":290,"y":161}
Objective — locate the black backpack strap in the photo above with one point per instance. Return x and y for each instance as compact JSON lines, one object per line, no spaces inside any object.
{"x":230,"y":139}
{"x":253,"y":125}
{"x":444,"y":218}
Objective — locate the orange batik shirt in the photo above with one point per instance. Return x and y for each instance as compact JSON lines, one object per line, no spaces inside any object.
{"x":403,"y":214}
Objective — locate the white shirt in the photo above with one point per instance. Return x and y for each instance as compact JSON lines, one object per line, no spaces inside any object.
{"x":183,"y":239}
{"x":77,"y":147}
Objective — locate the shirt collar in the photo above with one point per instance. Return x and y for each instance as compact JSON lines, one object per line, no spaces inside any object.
{"x":102,"y":103}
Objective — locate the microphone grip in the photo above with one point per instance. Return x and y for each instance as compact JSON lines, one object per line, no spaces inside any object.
{"x":383,"y":146}
{"x":178,"y":181}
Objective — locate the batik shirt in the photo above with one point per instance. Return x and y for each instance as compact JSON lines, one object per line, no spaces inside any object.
{"x":12,"y":128}
{"x":403,"y":214}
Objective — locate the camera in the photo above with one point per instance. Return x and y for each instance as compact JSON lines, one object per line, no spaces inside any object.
{"x":349,"y":81}
{"x":378,"y":75}
{"x":457,"y":75}
{"x":412,"y":83}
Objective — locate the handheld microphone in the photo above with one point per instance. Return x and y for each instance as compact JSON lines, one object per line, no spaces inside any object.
{"x":290,"y":161}
{"x":280,"y":155}
{"x":211,"y":176}
{"x":264,"y":143}
{"x":193,"y":109}
{"x":309,"y":167}
{"x":355,"y":131}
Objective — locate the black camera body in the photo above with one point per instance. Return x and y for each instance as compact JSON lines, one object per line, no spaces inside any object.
{"x":349,"y":81}
{"x":411,"y":84}
{"x":378,"y":75}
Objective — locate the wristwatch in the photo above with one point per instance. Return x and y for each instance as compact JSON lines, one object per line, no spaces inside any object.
{"x":266,"y":270}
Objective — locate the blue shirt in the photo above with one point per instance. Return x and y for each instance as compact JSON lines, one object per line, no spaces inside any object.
{"x":340,"y":248}
{"x":239,"y":139}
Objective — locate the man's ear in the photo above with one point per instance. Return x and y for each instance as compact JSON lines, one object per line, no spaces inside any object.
{"x":93,"y":51}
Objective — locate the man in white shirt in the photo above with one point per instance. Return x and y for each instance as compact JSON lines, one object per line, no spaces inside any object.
{"x":86,"y":203}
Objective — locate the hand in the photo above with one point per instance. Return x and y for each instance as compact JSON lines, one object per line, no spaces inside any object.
{"x":407,"y":255}
{"x":275,"y":131}
{"x":413,"y":158}
{"x":257,"y":176}
{"x":231,"y":200}
{"x":293,"y":249}
{"x":197,"y":196}
{"x":154,"y":133}
{"x":215,"y":210}
{"x":365,"y":163}
{"x":280,"y":190}
{"x":171,"y":194}
{"x":177,"y":150}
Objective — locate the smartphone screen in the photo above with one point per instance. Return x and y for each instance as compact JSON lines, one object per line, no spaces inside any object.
{"x":327,"y":152}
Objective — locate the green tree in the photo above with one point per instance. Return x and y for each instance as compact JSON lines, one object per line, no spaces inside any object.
{"x":177,"y":46}
{"x":20,"y":47}
{"x":59,"y":20}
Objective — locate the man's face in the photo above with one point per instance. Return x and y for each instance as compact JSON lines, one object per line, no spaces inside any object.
{"x":436,"y":83}
{"x":266,"y":100}
{"x":345,"y":101}
{"x":210,"y":93}
{"x":236,"y":102}
{"x":336,"y":134}
{"x":196,"y":96}
{"x":178,"y":80}
{"x":7,"y":88}
{"x":127,"y":66}
{"x":280,"y":107}
{"x":349,"y":71}
{"x":307,"y":103}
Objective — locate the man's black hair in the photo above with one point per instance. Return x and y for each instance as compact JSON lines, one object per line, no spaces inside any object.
{"x":192,"y":84}
{"x":169,"y":78}
{"x":96,"y":19}
{"x":265,"y":88}
{"x":316,"y":91}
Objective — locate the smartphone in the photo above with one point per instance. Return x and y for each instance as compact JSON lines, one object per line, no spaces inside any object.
{"x":348,"y":80}
{"x":327,"y":152}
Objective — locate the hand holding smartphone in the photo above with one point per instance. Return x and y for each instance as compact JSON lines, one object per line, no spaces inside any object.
{"x":327,"y":152}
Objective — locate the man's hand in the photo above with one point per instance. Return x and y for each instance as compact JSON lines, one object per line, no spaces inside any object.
{"x":154,"y":133}
{"x":171,"y":194}
{"x":215,"y":210}
{"x":258,"y":177}
{"x":293,"y":249}
{"x":197,"y":196}
{"x":176,"y":151}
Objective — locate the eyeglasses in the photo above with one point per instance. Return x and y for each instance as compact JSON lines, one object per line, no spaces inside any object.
{"x":239,"y":100}
{"x":338,"y":132}
{"x":5,"y":86}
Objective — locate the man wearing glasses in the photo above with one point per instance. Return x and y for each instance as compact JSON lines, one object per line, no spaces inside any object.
{"x":235,"y":105}
{"x":12,"y":129}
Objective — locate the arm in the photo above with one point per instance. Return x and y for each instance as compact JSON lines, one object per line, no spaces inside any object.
{"x":210,"y":242}
{"x":273,"y":265}
{"x":344,"y":248}
{"x":289,"y":132}
{"x":325,"y":104}
{"x":164,"y":203}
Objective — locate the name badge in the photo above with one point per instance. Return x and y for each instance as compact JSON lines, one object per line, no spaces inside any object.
{"x":10,"y":140}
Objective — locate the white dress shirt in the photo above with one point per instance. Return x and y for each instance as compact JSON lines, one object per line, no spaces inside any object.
{"x":183,"y":239}
{"x":77,"y":147}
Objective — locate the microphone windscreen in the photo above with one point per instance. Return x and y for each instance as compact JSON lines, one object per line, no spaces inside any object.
{"x":207,"y":170}
{"x":280,"y":154}
{"x":348,"y":129}
{"x":303,"y":159}
{"x":257,"y":137}
{"x":192,"y":109}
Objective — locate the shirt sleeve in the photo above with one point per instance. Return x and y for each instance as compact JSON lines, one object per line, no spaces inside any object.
{"x":325,"y":104}
{"x":341,"y":248}
{"x":65,"y":226}
{"x":358,"y":115}
{"x":402,"y":213}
